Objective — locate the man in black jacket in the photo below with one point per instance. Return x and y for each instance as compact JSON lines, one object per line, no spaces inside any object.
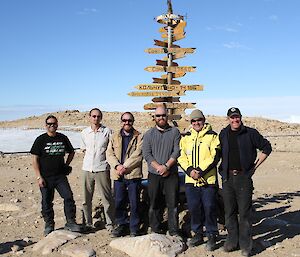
{"x":239,"y":146}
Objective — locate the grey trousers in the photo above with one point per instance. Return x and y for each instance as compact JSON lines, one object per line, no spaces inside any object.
{"x":103,"y":185}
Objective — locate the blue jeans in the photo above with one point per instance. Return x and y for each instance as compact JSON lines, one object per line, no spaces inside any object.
{"x":202,"y":206}
{"x":237,"y":195}
{"x":127,"y":191}
{"x":61,"y":184}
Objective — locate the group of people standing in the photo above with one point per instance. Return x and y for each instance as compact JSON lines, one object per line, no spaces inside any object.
{"x":118,"y":156}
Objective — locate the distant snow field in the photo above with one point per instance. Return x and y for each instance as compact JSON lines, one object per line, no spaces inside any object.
{"x":21,"y":140}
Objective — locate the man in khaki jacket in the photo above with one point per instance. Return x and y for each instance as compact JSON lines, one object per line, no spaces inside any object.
{"x":124,"y":154}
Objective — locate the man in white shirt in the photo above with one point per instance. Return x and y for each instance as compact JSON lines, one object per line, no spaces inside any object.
{"x":96,"y":170}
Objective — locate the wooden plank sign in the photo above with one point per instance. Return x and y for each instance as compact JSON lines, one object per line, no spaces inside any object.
{"x":175,"y":75}
{"x":159,"y":93}
{"x":165,"y":63}
{"x":169,"y":87}
{"x":170,"y":69}
{"x":166,"y":99}
{"x":165,"y":81}
{"x":152,"y":106}
{"x":170,"y":50}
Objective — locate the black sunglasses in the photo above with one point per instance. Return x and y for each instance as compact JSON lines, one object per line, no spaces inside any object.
{"x":160,"y":115}
{"x":96,"y":116}
{"x":51,"y":123}
{"x":201,"y":119}
{"x":127,"y":120}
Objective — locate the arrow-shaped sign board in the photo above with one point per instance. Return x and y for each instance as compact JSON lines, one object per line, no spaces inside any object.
{"x":170,"y":69}
{"x":165,"y":81}
{"x":152,"y":106}
{"x":175,"y":75}
{"x":156,"y":50}
{"x":159,"y":93}
{"x":169,"y":87}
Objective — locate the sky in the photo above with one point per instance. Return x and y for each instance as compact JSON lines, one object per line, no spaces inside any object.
{"x":78,"y":54}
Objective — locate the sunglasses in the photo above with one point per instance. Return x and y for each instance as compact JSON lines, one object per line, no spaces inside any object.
{"x":51,"y":123}
{"x":160,"y":115}
{"x":96,"y":116}
{"x":198,"y":120}
{"x":127,"y":120}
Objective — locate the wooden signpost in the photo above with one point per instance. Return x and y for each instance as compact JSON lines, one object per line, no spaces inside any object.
{"x":166,"y":90}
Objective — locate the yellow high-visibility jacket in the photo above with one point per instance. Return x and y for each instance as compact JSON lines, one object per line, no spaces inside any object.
{"x":200,"y":150}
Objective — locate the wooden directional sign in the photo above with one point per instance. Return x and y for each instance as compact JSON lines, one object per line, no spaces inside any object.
{"x":178,"y":28}
{"x":170,"y":69}
{"x":175,"y":75}
{"x":179,"y":35}
{"x":152,"y":106}
{"x":165,"y":99}
{"x":170,"y":50}
{"x":165,"y":81}
{"x":165,"y":63}
{"x":164,"y":44}
{"x":175,"y":56}
{"x":169,"y":87}
{"x":159,"y":93}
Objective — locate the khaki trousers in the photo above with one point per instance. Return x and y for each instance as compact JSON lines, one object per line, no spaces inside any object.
{"x":103,"y":185}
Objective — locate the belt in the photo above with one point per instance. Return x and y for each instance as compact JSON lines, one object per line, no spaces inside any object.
{"x":234,"y":172}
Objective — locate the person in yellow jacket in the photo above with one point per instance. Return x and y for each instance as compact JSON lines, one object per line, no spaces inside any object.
{"x":199,"y":155}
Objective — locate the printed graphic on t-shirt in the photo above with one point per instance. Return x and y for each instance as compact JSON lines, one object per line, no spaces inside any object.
{"x":55,"y":148}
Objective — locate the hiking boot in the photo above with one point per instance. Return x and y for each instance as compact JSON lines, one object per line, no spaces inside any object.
{"x":228,"y":247}
{"x":73,"y":226}
{"x":246,"y":253}
{"x":49,"y":227}
{"x":196,"y":240}
{"x":121,"y":230}
{"x":211,"y":243}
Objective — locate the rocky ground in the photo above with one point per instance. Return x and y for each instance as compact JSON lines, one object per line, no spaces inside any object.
{"x":276,"y":227}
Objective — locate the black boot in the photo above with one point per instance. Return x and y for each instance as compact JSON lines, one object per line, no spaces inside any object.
{"x":73,"y":226}
{"x":120,"y":230}
{"x":196,"y":240}
{"x":49,"y":227}
{"x":211,"y":243}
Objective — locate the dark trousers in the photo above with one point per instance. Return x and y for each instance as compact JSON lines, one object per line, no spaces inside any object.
{"x":127,"y":191}
{"x":202,"y":206}
{"x":162,"y":189}
{"x":61,"y":184}
{"x":237,"y":194}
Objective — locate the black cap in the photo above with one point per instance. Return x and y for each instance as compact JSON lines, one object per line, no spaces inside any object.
{"x":233,"y":111}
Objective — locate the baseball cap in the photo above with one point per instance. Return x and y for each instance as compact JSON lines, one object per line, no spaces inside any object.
{"x":233,"y":111}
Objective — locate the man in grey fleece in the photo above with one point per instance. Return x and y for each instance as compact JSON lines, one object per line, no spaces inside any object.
{"x":161,"y":150}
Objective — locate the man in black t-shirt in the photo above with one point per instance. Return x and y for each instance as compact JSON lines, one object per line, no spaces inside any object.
{"x":49,"y":164}
{"x":239,"y":146}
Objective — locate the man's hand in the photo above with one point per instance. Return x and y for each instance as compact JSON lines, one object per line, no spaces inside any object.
{"x":121,"y":170}
{"x":163,"y":170}
{"x":195,"y":174}
{"x":41,"y":182}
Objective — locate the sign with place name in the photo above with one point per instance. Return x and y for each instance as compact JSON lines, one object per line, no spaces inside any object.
{"x":170,"y":50}
{"x":165,"y":81}
{"x":170,"y":69}
{"x":165,"y":63}
{"x":166,"y":99}
{"x":178,"y":28}
{"x":152,"y":106}
{"x":169,"y":87}
{"x":174,"y":75}
{"x":159,"y":93}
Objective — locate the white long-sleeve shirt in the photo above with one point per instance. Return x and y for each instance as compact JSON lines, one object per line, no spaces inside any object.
{"x":95,"y":145}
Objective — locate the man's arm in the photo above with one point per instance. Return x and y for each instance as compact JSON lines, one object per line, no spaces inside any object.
{"x":36,"y":167}
{"x":261,"y":158}
{"x":70,"y":158}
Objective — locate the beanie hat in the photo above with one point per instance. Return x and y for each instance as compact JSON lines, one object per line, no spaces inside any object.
{"x":196,"y":114}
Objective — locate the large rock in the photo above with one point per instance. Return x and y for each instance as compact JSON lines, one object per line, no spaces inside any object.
{"x":53,"y":241}
{"x":75,"y":251}
{"x":152,"y":245}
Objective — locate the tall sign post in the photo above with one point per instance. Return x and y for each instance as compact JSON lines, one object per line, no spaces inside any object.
{"x":166,"y":90}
